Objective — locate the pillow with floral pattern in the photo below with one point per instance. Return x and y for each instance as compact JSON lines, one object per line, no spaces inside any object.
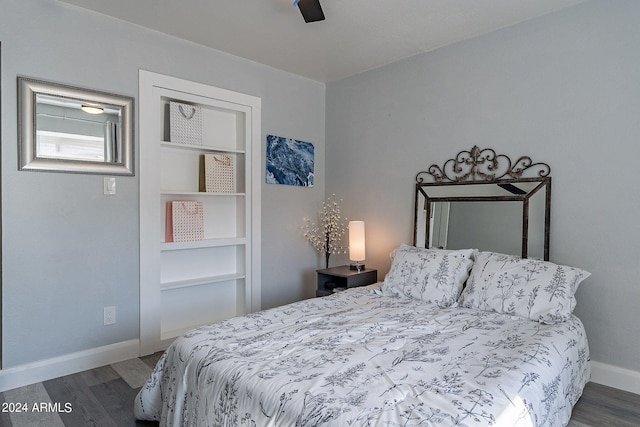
{"x":530,"y":288}
{"x":430,"y":275}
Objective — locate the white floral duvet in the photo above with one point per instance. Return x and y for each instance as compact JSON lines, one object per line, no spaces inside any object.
{"x":358,"y":358}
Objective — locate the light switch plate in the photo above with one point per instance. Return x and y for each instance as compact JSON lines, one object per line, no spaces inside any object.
{"x":109,"y":185}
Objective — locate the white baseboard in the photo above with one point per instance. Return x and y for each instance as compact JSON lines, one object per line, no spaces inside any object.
{"x":614,"y":376}
{"x":43,"y":370}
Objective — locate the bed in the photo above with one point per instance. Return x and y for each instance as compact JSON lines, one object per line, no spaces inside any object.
{"x":450,"y":338}
{"x":459,"y":337}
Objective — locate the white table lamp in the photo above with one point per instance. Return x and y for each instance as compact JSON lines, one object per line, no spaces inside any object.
{"x":356,"y":245}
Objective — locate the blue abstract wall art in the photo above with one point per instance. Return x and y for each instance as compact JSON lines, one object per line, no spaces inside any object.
{"x":289,"y":161}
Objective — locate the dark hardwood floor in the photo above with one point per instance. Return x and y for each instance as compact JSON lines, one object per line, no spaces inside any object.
{"x":605,"y":406}
{"x":103,"y":397}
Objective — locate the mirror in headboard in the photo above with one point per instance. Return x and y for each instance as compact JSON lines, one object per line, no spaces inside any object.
{"x":483,"y":200}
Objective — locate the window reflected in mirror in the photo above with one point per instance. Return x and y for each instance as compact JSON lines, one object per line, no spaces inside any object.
{"x":65,"y":130}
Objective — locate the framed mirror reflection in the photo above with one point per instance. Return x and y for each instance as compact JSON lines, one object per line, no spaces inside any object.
{"x":63,"y":128}
{"x":484,"y":201}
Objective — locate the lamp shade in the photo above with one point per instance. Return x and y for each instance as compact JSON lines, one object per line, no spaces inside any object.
{"x":356,"y":241}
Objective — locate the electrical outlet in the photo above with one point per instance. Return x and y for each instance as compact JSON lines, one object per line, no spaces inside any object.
{"x":109,"y":315}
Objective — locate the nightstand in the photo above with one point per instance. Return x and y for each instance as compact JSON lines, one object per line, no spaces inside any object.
{"x":343,"y":277}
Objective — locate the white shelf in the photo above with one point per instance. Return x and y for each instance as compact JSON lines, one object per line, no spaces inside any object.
{"x":206,"y":243}
{"x":179,"y":284}
{"x":203,"y":148}
{"x":187,"y":284}
{"x":199,"y":193}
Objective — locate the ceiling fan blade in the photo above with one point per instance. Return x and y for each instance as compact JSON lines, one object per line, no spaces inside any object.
{"x":310,"y":9}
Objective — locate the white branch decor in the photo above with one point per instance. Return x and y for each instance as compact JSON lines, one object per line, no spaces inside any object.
{"x":326,"y":236}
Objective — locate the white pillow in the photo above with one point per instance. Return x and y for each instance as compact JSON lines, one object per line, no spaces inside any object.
{"x":430,"y":275}
{"x":530,"y":288}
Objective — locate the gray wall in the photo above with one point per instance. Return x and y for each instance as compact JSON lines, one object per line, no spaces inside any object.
{"x":68,"y":250}
{"x":561,"y":88}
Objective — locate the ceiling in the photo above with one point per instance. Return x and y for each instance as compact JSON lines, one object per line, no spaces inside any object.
{"x":356,"y":36}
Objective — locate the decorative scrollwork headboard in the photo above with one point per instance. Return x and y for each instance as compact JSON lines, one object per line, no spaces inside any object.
{"x":444,"y":218}
{"x":483,"y":165}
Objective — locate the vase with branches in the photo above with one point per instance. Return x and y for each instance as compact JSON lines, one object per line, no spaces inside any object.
{"x":326,"y":236}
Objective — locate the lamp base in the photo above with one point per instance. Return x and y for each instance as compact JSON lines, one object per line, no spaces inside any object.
{"x":356,"y":267}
